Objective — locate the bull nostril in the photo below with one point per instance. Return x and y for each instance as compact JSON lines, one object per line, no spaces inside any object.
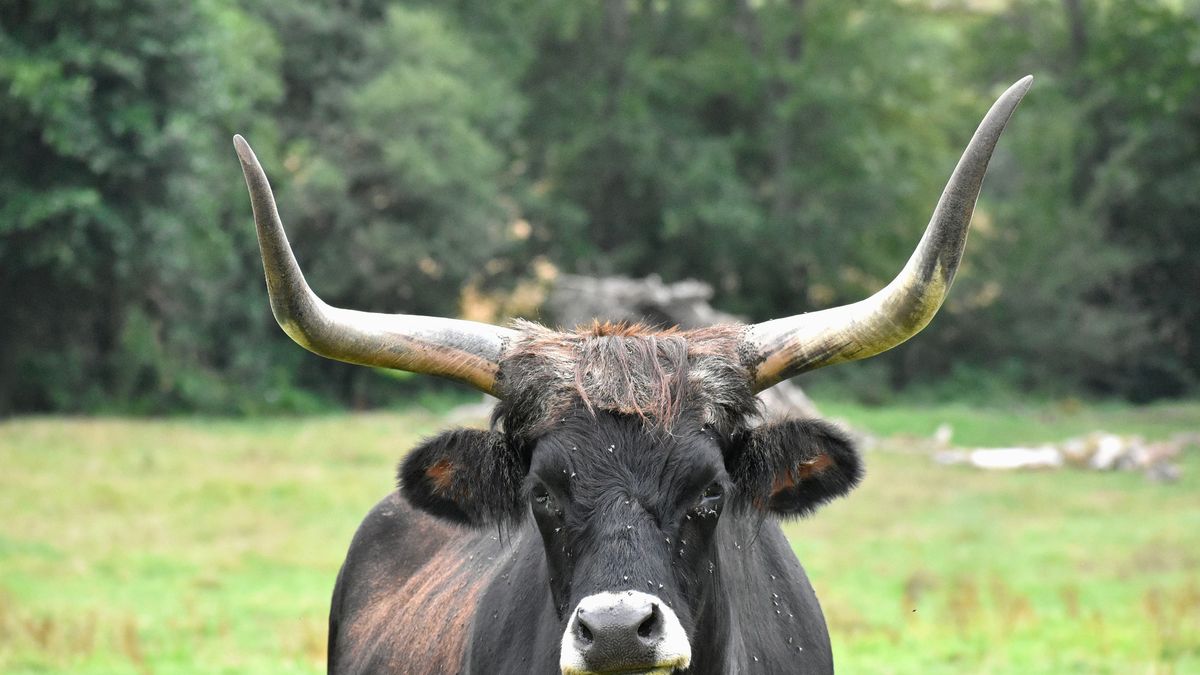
{"x":585,"y":633}
{"x":650,"y":627}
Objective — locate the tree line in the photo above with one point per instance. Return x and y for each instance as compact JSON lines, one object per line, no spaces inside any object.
{"x":438,"y":157}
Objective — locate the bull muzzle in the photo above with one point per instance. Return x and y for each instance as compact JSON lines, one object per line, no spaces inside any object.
{"x":628,"y":632}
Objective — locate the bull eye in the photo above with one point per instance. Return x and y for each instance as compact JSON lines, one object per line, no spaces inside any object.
{"x":544,"y":501}
{"x":710,"y":500}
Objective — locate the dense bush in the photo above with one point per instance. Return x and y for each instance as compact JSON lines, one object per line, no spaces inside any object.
{"x":788,"y":152}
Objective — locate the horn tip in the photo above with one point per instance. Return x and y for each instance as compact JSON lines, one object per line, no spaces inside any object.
{"x":243,"y":149}
{"x":1008,"y":101}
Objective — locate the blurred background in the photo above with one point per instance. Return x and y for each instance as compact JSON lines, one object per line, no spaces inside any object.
{"x":178,"y":480}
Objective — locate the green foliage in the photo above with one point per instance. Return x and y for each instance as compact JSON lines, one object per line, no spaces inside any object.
{"x":788,"y":152}
{"x":425,"y":163}
{"x":112,"y":246}
{"x":1076,"y":277}
{"x":660,"y":128}
{"x":1096,"y":208}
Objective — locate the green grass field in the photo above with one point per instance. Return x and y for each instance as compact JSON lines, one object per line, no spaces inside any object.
{"x":198,"y":546}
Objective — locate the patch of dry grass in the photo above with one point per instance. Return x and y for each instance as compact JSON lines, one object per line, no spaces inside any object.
{"x":197,"y":546}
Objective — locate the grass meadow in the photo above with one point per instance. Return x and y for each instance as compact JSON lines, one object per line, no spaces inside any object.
{"x":211,"y":546}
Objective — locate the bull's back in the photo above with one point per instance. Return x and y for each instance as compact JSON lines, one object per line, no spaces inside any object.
{"x":406,"y":594}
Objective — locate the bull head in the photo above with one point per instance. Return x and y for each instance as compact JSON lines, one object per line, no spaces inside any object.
{"x":472,"y":352}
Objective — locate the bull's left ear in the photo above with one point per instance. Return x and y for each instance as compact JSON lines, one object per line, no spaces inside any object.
{"x":791,"y":468}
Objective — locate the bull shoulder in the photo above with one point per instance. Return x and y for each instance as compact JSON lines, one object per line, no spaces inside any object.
{"x":402,"y":602}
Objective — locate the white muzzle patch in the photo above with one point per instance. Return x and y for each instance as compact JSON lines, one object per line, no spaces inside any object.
{"x":627,"y":632}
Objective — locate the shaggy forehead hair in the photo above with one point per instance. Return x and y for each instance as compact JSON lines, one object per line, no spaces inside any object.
{"x":655,"y":374}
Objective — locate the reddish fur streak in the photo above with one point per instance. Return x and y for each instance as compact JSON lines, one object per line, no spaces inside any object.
{"x":814,"y":466}
{"x":801,"y":473}
{"x":625,"y":368}
{"x":423,"y":622}
{"x":441,"y":475}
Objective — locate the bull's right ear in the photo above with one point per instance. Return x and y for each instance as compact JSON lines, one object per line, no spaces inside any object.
{"x":791,"y":468}
{"x":468,"y":476}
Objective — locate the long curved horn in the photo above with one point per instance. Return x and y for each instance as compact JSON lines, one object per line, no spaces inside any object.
{"x":465,"y":351}
{"x":786,"y":347}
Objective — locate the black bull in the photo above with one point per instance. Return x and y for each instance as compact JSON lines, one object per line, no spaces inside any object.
{"x":621,"y":514}
{"x":613,"y":507}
